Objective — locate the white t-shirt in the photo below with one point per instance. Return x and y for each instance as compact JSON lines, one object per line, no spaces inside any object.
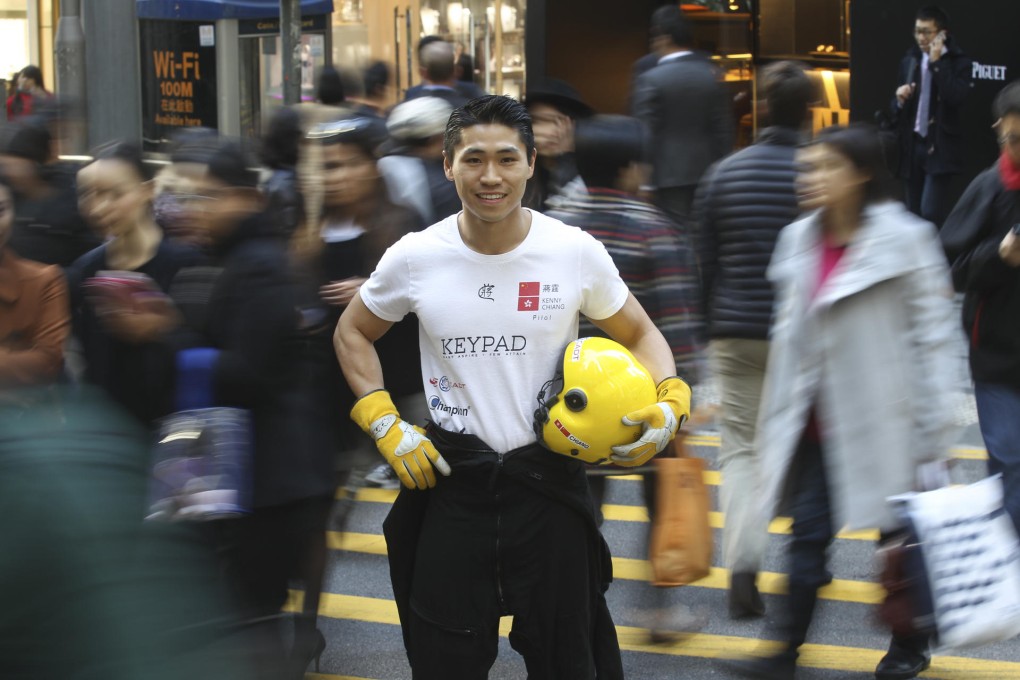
{"x":493,"y":328}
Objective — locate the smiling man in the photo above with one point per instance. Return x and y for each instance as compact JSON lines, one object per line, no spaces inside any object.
{"x":508,"y":528}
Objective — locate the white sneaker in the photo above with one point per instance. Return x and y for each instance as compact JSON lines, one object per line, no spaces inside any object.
{"x":383,"y":476}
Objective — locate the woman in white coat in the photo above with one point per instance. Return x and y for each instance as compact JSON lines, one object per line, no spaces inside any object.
{"x":860,"y":373}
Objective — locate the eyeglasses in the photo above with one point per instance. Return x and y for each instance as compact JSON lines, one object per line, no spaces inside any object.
{"x":924,"y":31}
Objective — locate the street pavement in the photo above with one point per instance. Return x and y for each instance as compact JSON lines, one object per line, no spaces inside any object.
{"x":359,"y":619}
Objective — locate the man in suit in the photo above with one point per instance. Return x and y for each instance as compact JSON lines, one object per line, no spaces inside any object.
{"x":928,"y":110}
{"x":438,"y":70}
{"x":687,"y":110}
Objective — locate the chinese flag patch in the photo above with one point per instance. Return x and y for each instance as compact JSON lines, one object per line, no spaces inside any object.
{"x":527,"y":296}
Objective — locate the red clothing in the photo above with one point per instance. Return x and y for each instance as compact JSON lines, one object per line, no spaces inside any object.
{"x":22,"y":104}
{"x":1009,"y":173}
{"x":831,"y":255}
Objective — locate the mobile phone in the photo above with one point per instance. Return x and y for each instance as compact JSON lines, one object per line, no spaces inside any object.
{"x":1015,"y":229}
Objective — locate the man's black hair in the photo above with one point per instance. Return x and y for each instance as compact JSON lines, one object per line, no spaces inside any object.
{"x":330,"y":88}
{"x":605,"y":145}
{"x":1007,"y":101}
{"x":934,"y":13}
{"x":669,"y":20}
{"x":128,"y":153}
{"x":282,"y":141}
{"x":491,"y":109}
{"x":376,"y":77}
{"x":789,"y":93}
{"x":230,"y":165}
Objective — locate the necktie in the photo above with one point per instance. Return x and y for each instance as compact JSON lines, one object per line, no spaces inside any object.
{"x":924,"y":103}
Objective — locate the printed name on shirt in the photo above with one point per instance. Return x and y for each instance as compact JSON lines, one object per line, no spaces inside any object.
{"x":530,"y":299}
{"x":483,"y":344}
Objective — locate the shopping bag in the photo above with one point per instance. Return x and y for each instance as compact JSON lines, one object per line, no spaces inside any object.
{"x":971,"y":557}
{"x":680,"y":549}
{"x":202,"y":458}
{"x":201,"y":467}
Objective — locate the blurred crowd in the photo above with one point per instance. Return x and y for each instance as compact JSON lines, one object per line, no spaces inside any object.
{"x":788,"y":275}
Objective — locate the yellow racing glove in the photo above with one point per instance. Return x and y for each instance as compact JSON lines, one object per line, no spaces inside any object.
{"x":405,"y":447}
{"x":661,"y":420}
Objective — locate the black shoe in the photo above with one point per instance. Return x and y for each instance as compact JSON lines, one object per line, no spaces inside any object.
{"x":782,"y":666}
{"x":745,"y":600}
{"x":904,"y":660}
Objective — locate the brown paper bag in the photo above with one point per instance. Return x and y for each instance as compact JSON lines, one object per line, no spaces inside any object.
{"x":680,"y":549}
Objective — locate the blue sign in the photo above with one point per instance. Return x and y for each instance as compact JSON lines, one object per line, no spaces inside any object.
{"x":211,"y":10}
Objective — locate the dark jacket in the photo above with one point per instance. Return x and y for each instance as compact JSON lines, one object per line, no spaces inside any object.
{"x":50,"y":229}
{"x":741,"y":206}
{"x":951,"y":83}
{"x":991,"y":307}
{"x":136,"y":376}
{"x":688,"y":111}
{"x":252,"y":317}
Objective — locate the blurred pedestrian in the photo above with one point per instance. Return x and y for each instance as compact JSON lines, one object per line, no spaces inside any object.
{"x":250,"y":315}
{"x":688,"y":138}
{"x":30,"y":93}
{"x":281,"y":147}
{"x":741,"y":206}
{"x":47,"y":227}
{"x":659,"y":270}
{"x":34,"y":315}
{"x":555,"y":108}
{"x":119,"y":299}
{"x":438,"y":74}
{"x":982,"y":241}
{"x":413,"y":164}
{"x":174,"y":185}
{"x":356,"y":223}
{"x":858,"y":388}
{"x":928,"y":112}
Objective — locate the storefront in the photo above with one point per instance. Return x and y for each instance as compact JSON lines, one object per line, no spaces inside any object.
{"x":218,"y":64}
{"x":389,"y":31}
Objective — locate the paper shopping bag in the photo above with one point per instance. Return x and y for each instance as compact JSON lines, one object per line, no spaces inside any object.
{"x":680,"y":549}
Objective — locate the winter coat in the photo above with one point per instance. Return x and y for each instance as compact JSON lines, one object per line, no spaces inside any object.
{"x":34,"y":322}
{"x":872,"y":352}
{"x":742,"y":204}
{"x":991,"y":305}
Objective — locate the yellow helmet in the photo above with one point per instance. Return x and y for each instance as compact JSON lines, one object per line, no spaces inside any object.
{"x":580,"y":410}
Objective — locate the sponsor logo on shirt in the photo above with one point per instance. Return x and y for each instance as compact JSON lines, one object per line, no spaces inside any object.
{"x":485,"y":292}
{"x":445,"y":384}
{"x":437,"y":404}
{"x":475,"y":345}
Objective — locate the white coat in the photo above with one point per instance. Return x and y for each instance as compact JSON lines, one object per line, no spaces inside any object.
{"x":872,"y":351}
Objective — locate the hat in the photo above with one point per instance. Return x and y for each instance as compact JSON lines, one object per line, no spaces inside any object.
{"x":419,"y":119}
{"x":558,"y":94}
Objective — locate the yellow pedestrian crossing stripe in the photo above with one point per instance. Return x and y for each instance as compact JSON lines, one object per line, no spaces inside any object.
{"x":635,"y":513}
{"x":862,"y":592}
{"x":960,"y":452}
{"x":702,"y":645}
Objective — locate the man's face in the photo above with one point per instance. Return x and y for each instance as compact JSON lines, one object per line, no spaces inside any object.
{"x":924,"y":31}
{"x":490,"y":168}
{"x":1009,"y":137}
{"x":554,"y":130}
{"x":350,"y":176}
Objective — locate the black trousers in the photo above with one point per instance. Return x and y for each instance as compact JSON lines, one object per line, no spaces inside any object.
{"x":491,"y":545}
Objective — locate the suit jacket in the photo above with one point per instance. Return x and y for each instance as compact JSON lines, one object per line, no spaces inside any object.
{"x":35,"y":319}
{"x":689,"y":115}
{"x":950,"y":83}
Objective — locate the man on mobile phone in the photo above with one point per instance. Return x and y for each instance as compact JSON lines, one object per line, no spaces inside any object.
{"x":935,"y":78}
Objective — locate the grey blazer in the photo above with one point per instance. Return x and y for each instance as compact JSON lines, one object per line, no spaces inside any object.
{"x":690,"y":117}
